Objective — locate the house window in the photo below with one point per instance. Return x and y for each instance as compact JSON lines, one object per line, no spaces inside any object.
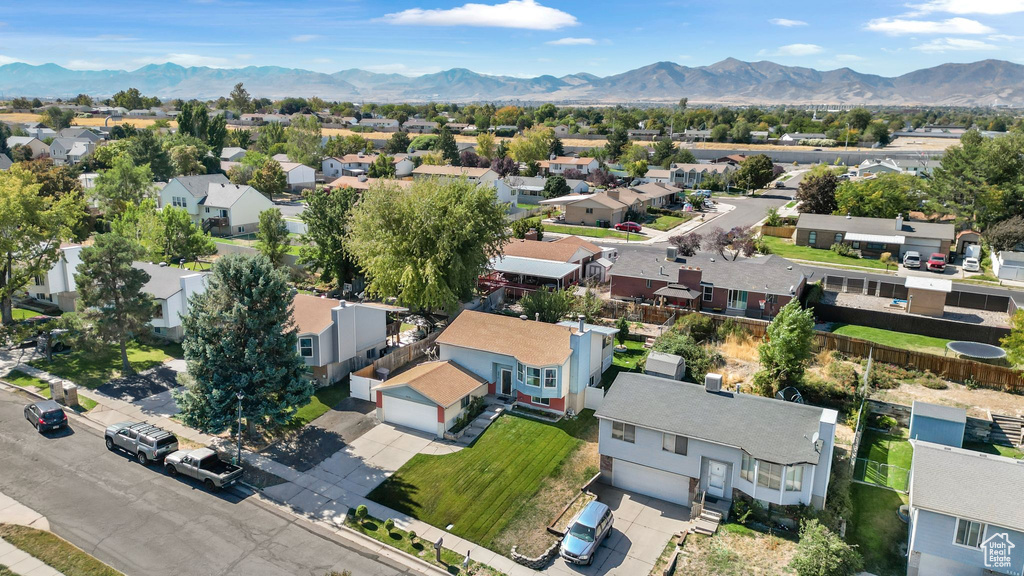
{"x":519,"y":372}
{"x":624,"y":432}
{"x":969,"y":533}
{"x":306,"y":347}
{"x":771,"y":299}
{"x":812,"y":237}
{"x":709,"y":292}
{"x":532,"y":376}
{"x":747,"y":467}
{"x":590,"y":210}
{"x":769,"y":475}
{"x":648,"y":283}
{"x":207,"y":210}
{"x":838,"y":238}
{"x":465,"y":402}
{"x":673,"y":443}
{"x":856,"y":245}
{"x":37,"y":280}
{"x":371,"y":353}
{"x":241,"y":229}
{"x":541,"y":401}
{"x":550,"y":377}
{"x":795,"y":479}
{"x":875,"y":246}
{"x":737,"y":299}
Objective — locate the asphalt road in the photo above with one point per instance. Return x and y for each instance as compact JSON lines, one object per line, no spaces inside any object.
{"x":748,"y":211}
{"x":144,"y":523}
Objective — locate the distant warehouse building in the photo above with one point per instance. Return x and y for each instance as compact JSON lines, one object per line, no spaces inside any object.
{"x":873,"y":236}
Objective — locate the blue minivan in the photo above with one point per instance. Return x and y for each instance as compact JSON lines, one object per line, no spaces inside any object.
{"x":585,"y":533}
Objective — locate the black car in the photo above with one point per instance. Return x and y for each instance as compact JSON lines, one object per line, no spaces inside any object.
{"x":46,"y":415}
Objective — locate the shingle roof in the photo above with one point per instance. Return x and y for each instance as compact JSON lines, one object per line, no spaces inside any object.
{"x":939,"y":412}
{"x":312,"y":315}
{"x":199,"y":185}
{"x":224,"y":195}
{"x":967,"y":484}
{"x":532,"y":342}
{"x":766,"y":428}
{"x":5,"y":162}
{"x":557,"y":251}
{"x":429,"y":170}
{"x":771,"y":274}
{"x":879,"y":226}
{"x":164,"y":281}
{"x":443,"y":383}
{"x":580,"y":243}
{"x":231,"y":151}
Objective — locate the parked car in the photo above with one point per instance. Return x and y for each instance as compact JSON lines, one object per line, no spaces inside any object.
{"x":936,"y":262}
{"x":585,"y":533}
{"x":145,"y":441}
{"x":780,"y":184}
{"x":46,"y":415}
{"x":32,"y":329}
{"x":972,"y":265}
{"x":912,"y":260}
{"x":204,"y":465}
{"x":60,"y":339}
{"x":628,"y":226}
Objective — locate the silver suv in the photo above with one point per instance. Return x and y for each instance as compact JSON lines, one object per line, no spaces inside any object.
{"x":912,"y":259}
{"x":145,"y":441}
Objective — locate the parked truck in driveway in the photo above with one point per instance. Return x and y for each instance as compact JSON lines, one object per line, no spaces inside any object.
{"x":204,"y":465}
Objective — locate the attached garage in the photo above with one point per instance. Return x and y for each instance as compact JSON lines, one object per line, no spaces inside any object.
{"x":923,"y":246}
{"x":411,"y":414}
{"x":428,"y":397}
{"x":651,"y":482}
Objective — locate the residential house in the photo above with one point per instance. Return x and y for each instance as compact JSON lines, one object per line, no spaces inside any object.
{"x":692,"y":175}
{"x":171,"y":288}
{"x":639,"y":134}
{"x":417,"y":126}
{"x":337,"y":337}
{"x":459,"y":127}
{"x":534,"y":185}
{"x":362,"y":182}
{"x":966,"y":518}
{"x":88,"y":180}
{"x":734,"y":159}
{"x":232,"y":154}
{"x":380,"y":124}
{"x":559,"y":164}
{"x":796,"y":137}
{"x":485,"y":176}
{"x":674,"y":441}
{"x":610,"y":207}
{"x":873,"y":236}
{"x":753,"y":287}
{"x":429,"y":397}
{"x":658,"y":175}
{"x":299,"y":176}
{"x":70,"y":150}
{"x":37,"y":146}
{"x":1008,"y":265}
{"x":561,"y":131}
{"x":41,"y":132}
{"x":79,"y":132}
{"x":359,"y":164}
{"x":57,"y":285}
{"x":544,"y":366}
{"x":526,"y":265}
{"x":215,"y":203}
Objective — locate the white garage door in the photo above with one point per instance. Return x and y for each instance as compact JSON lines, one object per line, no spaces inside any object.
{"x":651,"y":482}
{"x":401,"y":412}
{"x":925,"y":247}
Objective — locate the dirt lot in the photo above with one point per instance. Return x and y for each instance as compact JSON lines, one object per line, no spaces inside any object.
{"x":864,"y":302}
{"x":735,"y":551}
{"x":978,"y":403}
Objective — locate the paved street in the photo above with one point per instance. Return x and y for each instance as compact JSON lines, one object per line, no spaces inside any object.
{"x":145,"y":523}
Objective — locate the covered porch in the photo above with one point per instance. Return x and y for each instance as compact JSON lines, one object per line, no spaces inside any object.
{"x":521,"y":275}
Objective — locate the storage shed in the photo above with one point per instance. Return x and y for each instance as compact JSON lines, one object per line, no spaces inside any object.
{"x":665,"y":365}
{"x":939,"y":424}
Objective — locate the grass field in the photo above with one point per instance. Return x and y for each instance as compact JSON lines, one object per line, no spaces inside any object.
{"x":665,"y":222}
{"x":1007,"y":451}
{"x":21,"y":314}
{"x":876,"y":530}
{"x":624,"y":361}
{"x":55,"y":552}
{"x":902,"y":340}
{"x":94,"y":369}
{"x":19,"y":378}
{"x":787,"y":249}
{"x":480,"y":489}
{"x":323,"y":400}
{"x":590,"y":231}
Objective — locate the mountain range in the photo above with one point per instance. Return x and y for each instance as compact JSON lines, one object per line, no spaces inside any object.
{"x":731,"y":81}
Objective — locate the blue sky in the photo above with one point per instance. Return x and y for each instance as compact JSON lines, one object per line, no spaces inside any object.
{"x":513,"y":37}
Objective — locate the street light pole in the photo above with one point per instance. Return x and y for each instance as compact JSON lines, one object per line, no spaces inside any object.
{"x":238,"y":454}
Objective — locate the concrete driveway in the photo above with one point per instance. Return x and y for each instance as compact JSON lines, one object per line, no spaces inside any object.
{"x":640,"y":532}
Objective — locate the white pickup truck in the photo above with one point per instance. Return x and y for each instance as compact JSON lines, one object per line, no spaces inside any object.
{"x":204,"y":465}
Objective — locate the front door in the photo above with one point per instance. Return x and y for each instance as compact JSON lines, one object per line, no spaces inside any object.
{"x":506,"y":382}
{"x":716,"y":479}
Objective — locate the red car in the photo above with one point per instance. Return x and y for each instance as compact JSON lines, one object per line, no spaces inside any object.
{"x":936,"y":262}
{"x":628,"y":227}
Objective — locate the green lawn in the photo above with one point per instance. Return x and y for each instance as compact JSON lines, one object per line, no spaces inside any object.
{"x":19,"y":378}
{"x":624,"y":361}
{"x":876,"y":530}
{"x":1007,"y":451}
{"x":665,"y":222}
{"x":480,"y":489}
{"x":21,"y":314}
{"x":526,"y":206}
{"x":55,"y":552}
{"x":787,"y":249}
{"x":94,"y":369}
{"x":591,"y":231}
{"x":4,"y":571}
{"x":323,"y":400}
{"x":197,"y":266}
{"x":914,"y":342}
{"x":893,"y":455}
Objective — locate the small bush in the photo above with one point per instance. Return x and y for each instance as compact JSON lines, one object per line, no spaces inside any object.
{"x":834,"y":395}
{"x":821,"y":552}
{"x":700,"y":326}
{"x":932,"y":381}
{"x":730,"y":328}
{"x":842,"y":374}
{"x":412,"y":535}
{"x":813,"y":294}
{"x":844,"y":250}
{"x":389,"y":525}
{"x":362,"y":513}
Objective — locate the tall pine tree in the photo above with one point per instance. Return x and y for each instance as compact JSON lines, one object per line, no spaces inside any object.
{"x":239,"y":337}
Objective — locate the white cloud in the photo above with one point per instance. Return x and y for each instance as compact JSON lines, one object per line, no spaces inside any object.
{"x":1005,"y":38}
{"x":848,"y":58}
{"x":305,"y":37}
{"x":954,"y":45}
{"x":900,"y":26}
{"x":798,"y":50}
{"x":573,"y":42}
{"x":787,"y":22}
{"x":7,"y":60}
{"x":526,"y":14}
{"x":993,"y":7}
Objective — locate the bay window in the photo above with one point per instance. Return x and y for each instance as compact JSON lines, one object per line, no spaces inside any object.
{"x":769,"y":475}
{"x":747,"y":467}
{"x":532,"y":376}
{"x":795,"y":479}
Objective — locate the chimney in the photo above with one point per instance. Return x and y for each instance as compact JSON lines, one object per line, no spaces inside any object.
{"x":613,"y":194}
{"x":713,"y":382}
{"x":581,"y":323}
{"x":899,"y":221}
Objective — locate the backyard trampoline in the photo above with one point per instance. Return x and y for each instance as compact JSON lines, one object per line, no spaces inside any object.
{"x":976,"y":351}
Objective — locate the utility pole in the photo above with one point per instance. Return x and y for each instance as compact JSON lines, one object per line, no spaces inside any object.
{"x":847,"y":136}
{"x":238,"y":454}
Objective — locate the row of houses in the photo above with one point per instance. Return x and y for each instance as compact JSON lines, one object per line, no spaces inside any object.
{"x":610,"y":207}
{"x":69,"y":146}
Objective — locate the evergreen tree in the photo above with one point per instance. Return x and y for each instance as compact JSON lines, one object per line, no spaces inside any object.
{"x":239,"y":338}
{"x":555,"y":186}
{"x":110,"y":292}
{"x":143,"y":225}
{"x":398,"y":143}
{"x":145,"y":148}
{"x":382,"y":167}
{"x":324,"y":251}
{"x":272,"y":236}
{"x":447,"y":147}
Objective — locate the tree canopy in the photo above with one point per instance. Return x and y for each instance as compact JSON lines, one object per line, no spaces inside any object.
{"x":786,"y":350}
{"x":817,"y":193}
{"x":885,"y":196}
{"x":272,"y":236}
{"x":324,"y":249}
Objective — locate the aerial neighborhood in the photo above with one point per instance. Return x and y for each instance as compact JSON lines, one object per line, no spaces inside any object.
{"x":507,"y":336}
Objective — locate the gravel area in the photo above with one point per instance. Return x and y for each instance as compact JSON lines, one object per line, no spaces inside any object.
{"x":864,"y":302}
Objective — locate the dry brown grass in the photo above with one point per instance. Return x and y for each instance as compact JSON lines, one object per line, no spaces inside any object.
{"x":978,"y":403}
{"x":736,"y":554}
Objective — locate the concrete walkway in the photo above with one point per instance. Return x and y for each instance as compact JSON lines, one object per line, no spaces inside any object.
{"x":18,"y":561}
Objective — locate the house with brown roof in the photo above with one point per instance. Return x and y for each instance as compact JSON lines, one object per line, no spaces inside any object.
{"x":337,"y":337}
{"x":526,"y":265}
{"x":544,"y":366}
{"x":475,"y":175}
{"x":429,"y":397}
{"x":559,"y":164}
{"x":362,"y":182}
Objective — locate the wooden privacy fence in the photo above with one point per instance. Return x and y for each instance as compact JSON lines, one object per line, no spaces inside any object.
{"x":405,"y":354}
{"x":778,"y":231}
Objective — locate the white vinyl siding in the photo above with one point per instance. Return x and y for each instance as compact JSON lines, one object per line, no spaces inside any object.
{"x":624,"y":432}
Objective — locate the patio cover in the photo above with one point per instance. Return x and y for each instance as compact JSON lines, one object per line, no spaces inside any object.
{"x":533,"y":267}
{"x":677,"y":291}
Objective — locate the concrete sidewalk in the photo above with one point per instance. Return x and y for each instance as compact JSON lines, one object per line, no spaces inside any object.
{"x":18,"y":561}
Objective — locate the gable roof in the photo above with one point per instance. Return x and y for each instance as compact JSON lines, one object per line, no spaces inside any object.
{"x":230,"y":151}
{"x":164,"y":281}
{"x":771,"y":274}
{"x":5,"y":162}
{"x":443,"y":383}
{"x":580,"y":243}
{"x":429,"y":170}
{"x":967,"y":484}
{"x":289,"y":166}
{"x":531,"y":342}
{"x":224,"y":195}
{"x":359,"y":183}
{"x":199,"y":185}
{"x":539,"y":250}
{"x":876,"y":226}
{"x":601,"y":199}
{"x":312,"y":314}
{"x":766,"y":428}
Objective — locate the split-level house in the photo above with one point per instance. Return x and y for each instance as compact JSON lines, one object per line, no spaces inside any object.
{"x":171,"y":289}
{"x":216,"y":204}
{"x":753,"y":287}
{"x":692,"y":175}
{"x":57,"y":285}
{"x":484,"y":176}
{"x":873,"y":236}
{"x":70,"y":150}
{"x":681,"y":442}
{"x":966,"y":513}
{"x":557,"y":165}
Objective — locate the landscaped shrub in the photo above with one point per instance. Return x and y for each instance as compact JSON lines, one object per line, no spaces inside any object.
{"x":699,"y":359}
{"x":389,"y":525}
{"x":361,"y":513}
{"x":844,"y":250}
{"x":888,"y":376}
{"x":731,"y":328}
{"x":700,"y":326}
{"x":842,"y":373}
{"x":822,"y":552}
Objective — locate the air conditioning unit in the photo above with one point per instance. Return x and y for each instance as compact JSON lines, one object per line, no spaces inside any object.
{"x":713,"y":382}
